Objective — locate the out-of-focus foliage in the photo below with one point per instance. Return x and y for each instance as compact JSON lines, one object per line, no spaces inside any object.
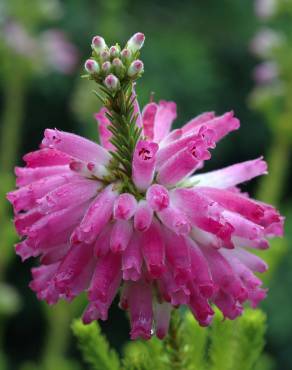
{"x":226,"y":345}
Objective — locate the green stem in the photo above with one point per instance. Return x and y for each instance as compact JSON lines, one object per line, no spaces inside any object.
{"x":59,"y":318}
{"x":271,"y":186}
{"x":173,"y":343}
{"x":14,"y":94}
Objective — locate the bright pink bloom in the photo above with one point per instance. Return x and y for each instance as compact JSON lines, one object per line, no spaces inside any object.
{"x":178,"y":238}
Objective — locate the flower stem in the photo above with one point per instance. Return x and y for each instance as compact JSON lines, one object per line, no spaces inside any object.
{"x":173,"y":343}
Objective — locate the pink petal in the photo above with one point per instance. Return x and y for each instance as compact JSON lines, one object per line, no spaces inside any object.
{"x":153,"y":250}
{"x":46,"y":157}
{"x":199,"y":120}
{"x":143,"y":216}
{"x":96,"y":217}
{"x":104,"y":134}
{"x":144,"y":164}
{"x":26,"y":175}
{"x":178,"y":256}
{"x":148,"y":117}
{"x":106,"y":278}
{"x":120,"y":235}
{"x":157,"y":197}
{"x":132,"y":260}
{"x":140,"y":307}
{"x":68,"y":195}
{"x":75,"y":146}
{"x":165,"y":115}
{"x":125,"y":206}
{"x":182,"y":164}
{"x":162,"y":318}
{"x":232,"y":175}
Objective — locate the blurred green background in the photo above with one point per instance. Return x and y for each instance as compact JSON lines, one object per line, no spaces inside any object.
{"x":197,"y":53}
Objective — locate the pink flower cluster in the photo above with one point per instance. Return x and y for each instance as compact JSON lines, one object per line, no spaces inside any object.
{"x":183,"y":240}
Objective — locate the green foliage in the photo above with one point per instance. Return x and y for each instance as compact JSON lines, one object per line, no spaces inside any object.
{"x":94,"y":347}
{"x":249,"y":339}
{"x":222,"y":343}
{"x":225,"y":345}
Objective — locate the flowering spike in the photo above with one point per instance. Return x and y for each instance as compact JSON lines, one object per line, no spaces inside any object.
{"x":91,"y":66}
{"x":136,"y":42}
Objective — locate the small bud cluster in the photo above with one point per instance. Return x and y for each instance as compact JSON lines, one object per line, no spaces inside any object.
{"x":112,"y":66}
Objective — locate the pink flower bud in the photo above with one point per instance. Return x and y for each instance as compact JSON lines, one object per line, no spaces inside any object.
{"x":91,"y":66}
{"x":112,"y":82}
{"x":126,"y":55}
{"x":98,"y":44}
{"x":114,"y":51}
{"x":106,"y":67}
{"x":105,"y":55}
{"x":136,"y":67}
{"x":118,"y":67}
{"x":136,"y":42}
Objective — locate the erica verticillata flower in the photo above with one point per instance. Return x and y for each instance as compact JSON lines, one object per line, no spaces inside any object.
{"x":130,"y":217}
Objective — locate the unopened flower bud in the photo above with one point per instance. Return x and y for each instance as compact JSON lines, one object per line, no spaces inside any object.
{"x":105,"y":55}
{"x":91,"y":66}
{"x":136,"y":42}
{"x":106,"y":67}
{"x":112,"y":82}
{"x":115,"y":51}
{"x":118,"y":67}
{"x":98,"y":44}
{"x":136,"y":68}
{"x":126,"y":55}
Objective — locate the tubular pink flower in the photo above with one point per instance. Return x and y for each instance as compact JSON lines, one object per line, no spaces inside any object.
{"x":75,"y":146}
{"x":161,"y":318}
{"x":96,"y":217}
{"x":140,"y":307}
{"x":153,"y":250}
{"x":232,"y":175}
{"x":120,"y":235}
{"x":144,"y":164}
{"x":125,"y":206}
{"x":164,"y":236}
{"x":143,"y":216}
{"x":132,"y":260}
{"x":182,"y":164}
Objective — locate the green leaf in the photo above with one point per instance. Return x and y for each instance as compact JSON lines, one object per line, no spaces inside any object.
{"x":94,"y":347}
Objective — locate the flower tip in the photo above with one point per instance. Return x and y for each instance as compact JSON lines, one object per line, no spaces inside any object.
{"x":91,"y":66}
{"x":140,"y":332}
{"x":160,"y":333}
{"x":136,"y":42}
{"x":98,"y":43}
